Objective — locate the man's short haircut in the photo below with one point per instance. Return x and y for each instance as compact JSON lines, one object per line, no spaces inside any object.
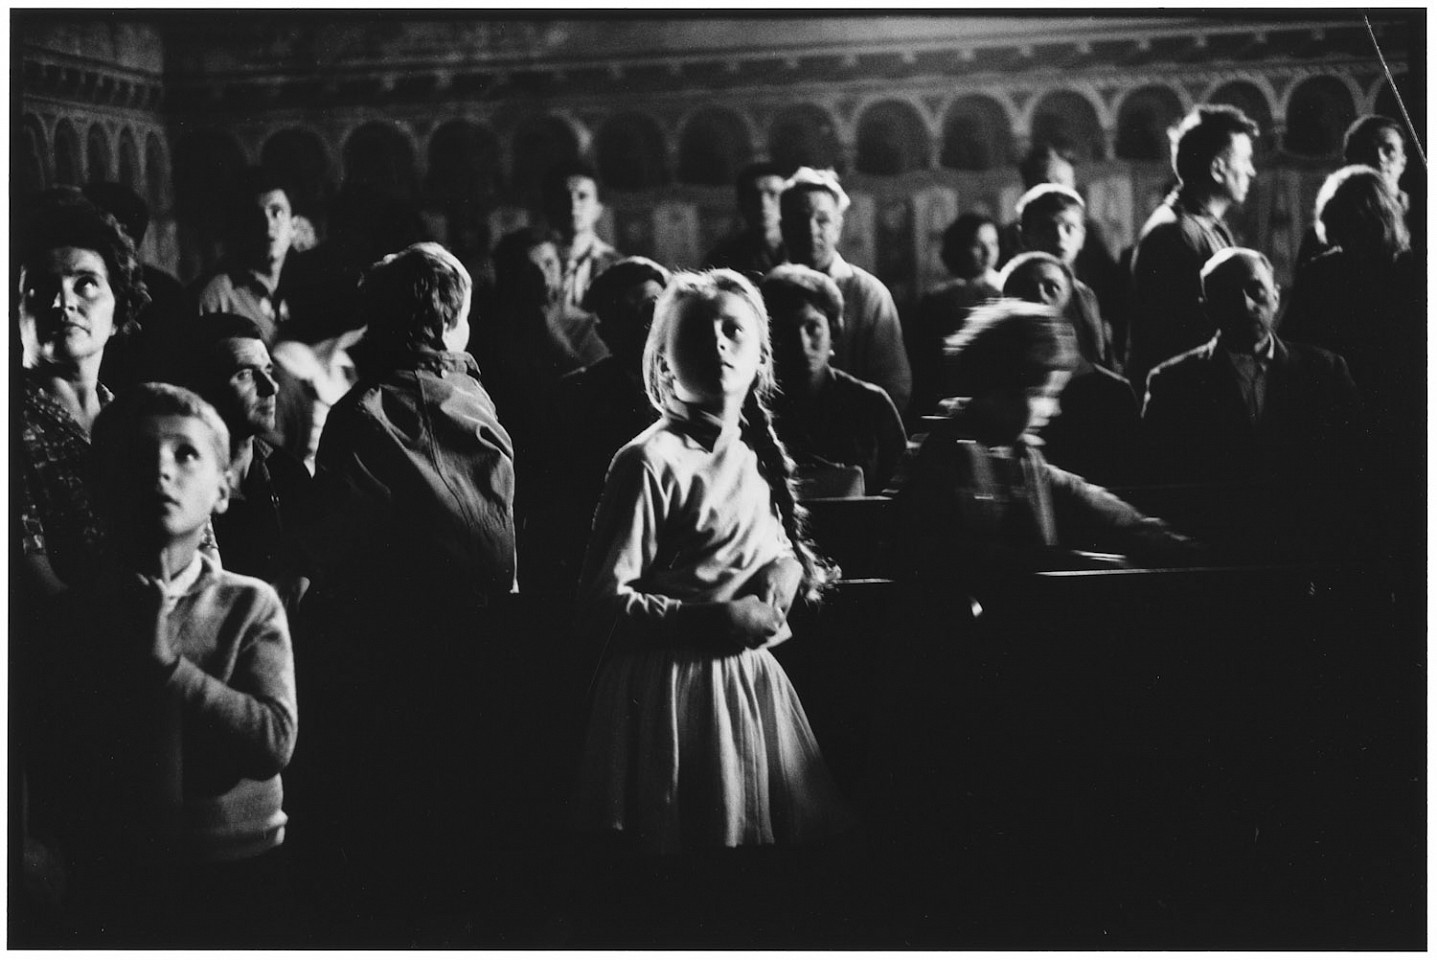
{"x":112,"y":438}
{"x":1359,"y":143}
{"x":1046,"y":201}
{"x":410,"y":298}
{"x":1204,"y":134}
{"x":1024,"y":261}
{"x":122,"y":203}
{"x":64,"y":218}
{"x":618,"y":277}
{"x":1034,"y":166}
{"x":1219,"y":260}
{"x":1008,"y":345}
{"x":1358,"y":211}
{"x":191,"y":349}
{"x":751,"y":174}
{"x":254,"y":181}
{"x":557,"y":177}
{"x":809,"y":180}
{"x":789,"y":287}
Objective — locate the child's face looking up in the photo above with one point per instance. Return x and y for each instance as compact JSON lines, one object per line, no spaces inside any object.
{"x":172,"y":479}
{"x":1062,"y":235}
{"x":1010,"y":414}
{"x":714,"y":350}
{"x":1039,"y":282}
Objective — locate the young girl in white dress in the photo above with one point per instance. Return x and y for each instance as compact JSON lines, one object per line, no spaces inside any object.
{"x":697,"y":739}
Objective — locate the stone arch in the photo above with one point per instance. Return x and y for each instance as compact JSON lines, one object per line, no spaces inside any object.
{"x":1068,"y":117}
{"x":32,"y":169}
{"x":977,"y":134}
{"x":127,"y":169}
{"x":97,"y":154}
{"x":157,"y":174}
{"x":892,"y":139}
{"x":1249,"y":97}
{"x":1319,"y":110}
{"x":1143,"y":121}
{"x":630,"y":152}
{"x":301,"y":160}
{"x":805,"y":135}
{"x":465,"y":164}
{"x":380,"y":155}
{"x":69,"y":170}
{"x":539,"y":144}
{"x":714,"y":144}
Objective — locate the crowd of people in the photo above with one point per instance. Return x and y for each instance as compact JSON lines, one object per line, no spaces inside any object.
{"x":313,"y":479}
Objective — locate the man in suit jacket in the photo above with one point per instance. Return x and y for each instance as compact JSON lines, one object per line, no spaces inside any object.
{"x":1269,"y":421}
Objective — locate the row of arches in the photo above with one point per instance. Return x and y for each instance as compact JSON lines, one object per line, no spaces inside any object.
{"x":469,"y":162}
{"x":77,"y":151}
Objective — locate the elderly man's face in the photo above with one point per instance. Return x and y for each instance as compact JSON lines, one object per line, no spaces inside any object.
{"x":1242,"y":299}
{"x":812,"y":226}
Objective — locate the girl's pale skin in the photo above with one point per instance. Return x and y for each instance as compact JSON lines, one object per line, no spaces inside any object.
{"x":714,"y":354}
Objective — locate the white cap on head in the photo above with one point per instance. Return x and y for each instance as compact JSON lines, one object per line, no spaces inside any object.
{"x":823,"y":179}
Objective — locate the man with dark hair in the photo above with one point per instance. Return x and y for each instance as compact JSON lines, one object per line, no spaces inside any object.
{"x":1374,"y":141}
{"x":758,"y":247}
{"x":260,"y":229}
{"x":222,"y":357}
{"x":1212,"y":157}
{"x":812,"y":208}
{"x":572,"y":207}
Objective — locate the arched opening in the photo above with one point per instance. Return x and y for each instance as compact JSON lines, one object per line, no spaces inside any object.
{"x":540,"y":144}
{"x":377,"y":155}
{"x":32,"y":169}
{"x":1318,"y":113}
{"x":97,"y":155}
{"x":804,"y":135}
{"x":1143,"y":122}
{"x":67,"y":154}
{"x":157,"y":175}
{"x":298,"y":157}
{"x":1251,"y":101}
{"x":976,"y":135}
{"x":630,"y":153}
{"x":892,"y":139}
{"x":713,"y":147}
{"x":1065,"y":117}
{"x":128,"y":170}
{"x":465,"y":169}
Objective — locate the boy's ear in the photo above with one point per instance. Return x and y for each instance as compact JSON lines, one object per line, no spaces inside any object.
{"x":222,"y":501}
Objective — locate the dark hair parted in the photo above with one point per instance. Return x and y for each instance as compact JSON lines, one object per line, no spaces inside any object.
{"x":774,"y":464}
{"x":1204,"y":134}
{"x":410,"y":298}
{"x":1008,"y":345}
{"x":64,"y":218}
{"x":790,"y":287}
{"x":122,"y":203}
{"x":959,"y":234}
{"x":1362,"y":139}
{"x":1357,"y":211}
{"x":556,"y":178}
{"x":609,"y":285}
{"x":1025,"y":261}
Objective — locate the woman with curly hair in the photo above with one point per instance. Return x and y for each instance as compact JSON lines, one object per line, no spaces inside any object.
{"x":80,"y":284}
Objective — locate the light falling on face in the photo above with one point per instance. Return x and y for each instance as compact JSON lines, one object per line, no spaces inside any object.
{"x":172,"y":479}
{"x":1391,"y":156}
{"x":279,"y":222}
{"x":802,"y":342}
{"x":67,"y":308}
{"x":1061,"y":234}
{"x":1013,"y":414}
{"x":759,"y":204}
{"x":1243,"y":300}
{"x":1042,"y":282}
{"x":248,"y":400}
{"x":812,"y":227}
{"x":577,"y":207}
{"x":1237,"y":169}
{"x":714,"y":351}
{"x":545,"y":256}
